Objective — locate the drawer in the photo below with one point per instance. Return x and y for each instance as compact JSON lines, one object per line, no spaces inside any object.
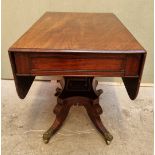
{"x":62,"y":64}
{"x":76,"y":64}
{"x":41,"y":63}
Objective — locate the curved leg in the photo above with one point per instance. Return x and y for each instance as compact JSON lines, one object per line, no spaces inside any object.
{"x":78,"y":91}
{"x":61,"y":110}
{"x":94,"y":110}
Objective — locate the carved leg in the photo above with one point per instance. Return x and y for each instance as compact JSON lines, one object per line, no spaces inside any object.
{"x":61,"y":110}
{"x":94,"y":110}
{"x":78,"y":91}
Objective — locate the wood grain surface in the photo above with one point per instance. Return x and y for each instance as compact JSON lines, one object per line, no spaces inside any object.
{"x":78,"y":32}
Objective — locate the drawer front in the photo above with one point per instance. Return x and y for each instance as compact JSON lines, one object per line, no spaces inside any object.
{"x":78,"y":64}
{"x":52,"y":63}
{"x":61,"y":64}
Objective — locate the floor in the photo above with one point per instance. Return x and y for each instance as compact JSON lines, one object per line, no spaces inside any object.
{"x":24,"y":122}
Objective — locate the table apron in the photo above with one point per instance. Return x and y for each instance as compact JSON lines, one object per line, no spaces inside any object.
{"x":110,"y":65}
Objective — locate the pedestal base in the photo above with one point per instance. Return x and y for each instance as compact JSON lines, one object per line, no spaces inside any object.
{"x":78,"y":91}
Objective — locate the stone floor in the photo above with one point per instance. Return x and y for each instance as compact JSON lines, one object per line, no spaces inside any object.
{"x":24,"y":122}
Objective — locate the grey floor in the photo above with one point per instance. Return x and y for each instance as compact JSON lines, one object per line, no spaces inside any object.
{"x":24,"y":122}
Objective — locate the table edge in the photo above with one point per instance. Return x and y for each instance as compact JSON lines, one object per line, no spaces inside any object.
{"x":76,"y":51}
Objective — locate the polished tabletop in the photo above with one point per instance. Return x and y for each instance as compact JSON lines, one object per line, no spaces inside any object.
{"x":78,"y":32}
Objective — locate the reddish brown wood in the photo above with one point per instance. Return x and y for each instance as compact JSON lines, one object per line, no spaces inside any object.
{"x":132,"y":64}
{"x":54,"y":64}
{"x":61,"y":110}
{"x":22,"y":63}
{"x":38,"y":63}
{"x":78,"y":64}
{"x":77,"y":32}
{"x":132,"y":84}
{"x":22,"y":83}
{"x":78,"y":91}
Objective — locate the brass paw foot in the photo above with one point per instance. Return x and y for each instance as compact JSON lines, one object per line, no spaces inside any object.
{"x":108,"y":138}
{"x":47,"y":135}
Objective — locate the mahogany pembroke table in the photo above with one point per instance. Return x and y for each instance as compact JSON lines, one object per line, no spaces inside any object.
{"x":78,"y":47}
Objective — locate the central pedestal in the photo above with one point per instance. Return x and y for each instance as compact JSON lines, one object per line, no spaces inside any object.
{"x":78,"y":91}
